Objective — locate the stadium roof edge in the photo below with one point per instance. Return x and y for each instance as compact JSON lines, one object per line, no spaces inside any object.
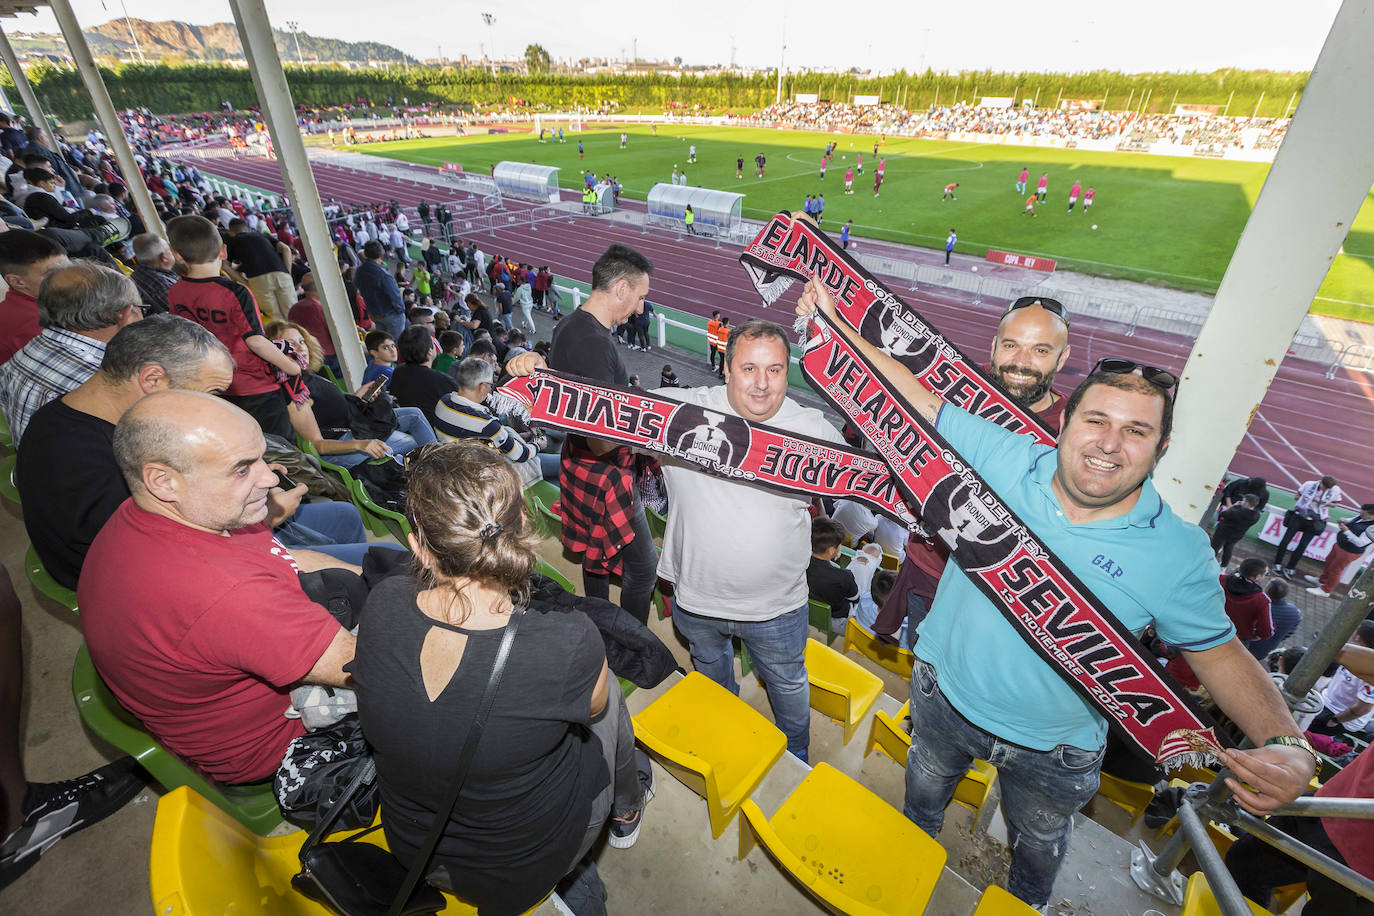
{"x":11,"y":8}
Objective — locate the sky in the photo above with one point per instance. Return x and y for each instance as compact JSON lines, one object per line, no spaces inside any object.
{"x":1006,"y":35}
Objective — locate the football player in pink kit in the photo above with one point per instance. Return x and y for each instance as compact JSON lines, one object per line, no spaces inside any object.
{"x":878,"y":175}
{"x":860,"y":163}
{"x":849,"y":181}
{"x":1042,"y":187}
{"x":1088,"y":196}
{"x":1073,"y":196}
{"x":1021,"y":182}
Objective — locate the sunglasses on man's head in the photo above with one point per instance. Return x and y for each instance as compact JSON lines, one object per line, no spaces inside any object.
{"x":1161,"y":378}
{"x":1050,"y":305}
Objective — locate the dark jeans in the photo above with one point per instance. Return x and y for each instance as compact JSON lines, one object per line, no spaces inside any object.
{"x":1225,"y":541}
{"x":1259,"y":868}
{"x":1305,"y":531}
{"x":269,"y":409}
{"x":1041,"y":790}
{"x":638,"y":575}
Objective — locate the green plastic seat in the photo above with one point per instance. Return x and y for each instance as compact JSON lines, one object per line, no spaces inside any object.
{"x":45,"y":584}
{"x":329,"y":374}
{"x":7,"y":487}
{"x":253,"y":806}
{"x":546,"y":490}
{"x":6,"y":438}
{"x":544,"y":569}
{"x":819,"y":615}
{"x":658,"y":524}
{"x":380,"y":521}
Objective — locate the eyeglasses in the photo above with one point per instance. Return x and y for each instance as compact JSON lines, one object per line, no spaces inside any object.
{"x":1160,"y":378}
{"x":1050,"y":305}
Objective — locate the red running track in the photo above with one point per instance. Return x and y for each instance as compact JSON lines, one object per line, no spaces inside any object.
{"x":1307,"y":425}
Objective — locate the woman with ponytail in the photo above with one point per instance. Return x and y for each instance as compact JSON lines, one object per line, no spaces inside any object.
{"x":557,"y":758}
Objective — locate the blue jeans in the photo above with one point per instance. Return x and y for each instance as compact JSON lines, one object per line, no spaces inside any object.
{"x":333,"y":528}
{"x":548,"y":466}
{"x":778,"y":647}
{"x":1041,"y":790}
{"x":412,"y":431}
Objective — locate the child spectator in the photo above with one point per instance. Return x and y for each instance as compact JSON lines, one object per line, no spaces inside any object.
{"x":228,"y":310}
{"x":381,"y":350}
{"x":1246,"y":603}
{"x":1232,"y":523}
{"x":1285,"y":615}
{"x":451,"y":342}
{"x":826,"y":581}
{"x":668,"y":378}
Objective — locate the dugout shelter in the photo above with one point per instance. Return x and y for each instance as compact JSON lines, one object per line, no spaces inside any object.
{"x":716,"y":212}
{"x":527,"y":181}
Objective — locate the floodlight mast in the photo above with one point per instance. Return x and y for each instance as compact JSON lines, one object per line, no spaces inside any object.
{"x":490,"y":20}
{"x":782,"y":56}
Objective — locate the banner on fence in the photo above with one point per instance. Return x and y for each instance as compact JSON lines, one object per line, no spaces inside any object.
{"x":1021,"y":260}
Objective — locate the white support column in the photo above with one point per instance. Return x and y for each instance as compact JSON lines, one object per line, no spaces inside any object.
{"x":107,"y":116}
{"x":1320,"y":178}
{"x":26,"y":95}
{"x":279,"y":111}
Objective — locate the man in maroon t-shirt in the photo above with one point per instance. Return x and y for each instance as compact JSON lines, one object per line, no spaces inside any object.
{"x":25,"y":257}
{"x":1031,"y":346}
{"x":1259,"y":868}
{"x":192,"y":610}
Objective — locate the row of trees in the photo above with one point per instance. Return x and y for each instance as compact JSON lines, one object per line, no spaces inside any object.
{"x":201,"y":87}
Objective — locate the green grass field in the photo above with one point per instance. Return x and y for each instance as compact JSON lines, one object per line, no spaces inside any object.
{"x":1163,"y":220}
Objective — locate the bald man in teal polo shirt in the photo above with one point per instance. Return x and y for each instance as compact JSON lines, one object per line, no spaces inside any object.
{"x":977,"y":689}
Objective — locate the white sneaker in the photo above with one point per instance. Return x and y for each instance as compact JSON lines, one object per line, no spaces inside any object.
{"x":1318,"y":590}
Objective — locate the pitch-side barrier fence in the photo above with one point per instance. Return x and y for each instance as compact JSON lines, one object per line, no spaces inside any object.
{"x":1332,"y":355}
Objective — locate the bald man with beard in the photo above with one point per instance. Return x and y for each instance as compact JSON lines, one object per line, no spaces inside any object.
{"x":1030,"y":347}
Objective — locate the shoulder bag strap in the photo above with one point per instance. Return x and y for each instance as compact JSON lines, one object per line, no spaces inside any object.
{"x":479,"y":722}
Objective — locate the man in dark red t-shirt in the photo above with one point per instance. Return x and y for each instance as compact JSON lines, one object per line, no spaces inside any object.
{"x":25,"y":257}
{"x":192,"y":610}
{"x":1029,"y":349}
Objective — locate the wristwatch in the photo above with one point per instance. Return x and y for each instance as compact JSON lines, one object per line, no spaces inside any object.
{"x":1296,"y":741}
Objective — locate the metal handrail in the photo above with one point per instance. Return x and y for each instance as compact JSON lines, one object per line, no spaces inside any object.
{"x":1216,"y":803}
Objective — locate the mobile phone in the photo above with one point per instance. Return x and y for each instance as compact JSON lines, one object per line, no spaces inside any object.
{"x":286,"y":483}
{"x":375,"y":388}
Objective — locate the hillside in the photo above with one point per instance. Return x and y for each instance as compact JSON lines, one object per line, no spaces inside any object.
{"x":219,"y":41}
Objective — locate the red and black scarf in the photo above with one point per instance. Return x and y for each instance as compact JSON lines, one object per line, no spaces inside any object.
{"x":714,"y":441}
{"x":1049,"y":607}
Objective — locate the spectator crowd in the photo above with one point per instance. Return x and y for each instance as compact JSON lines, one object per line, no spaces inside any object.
{"x":175,"y":403}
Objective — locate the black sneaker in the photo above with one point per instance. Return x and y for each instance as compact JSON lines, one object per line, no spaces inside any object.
{"x":53,"y":810}
{"x":624,"y":831}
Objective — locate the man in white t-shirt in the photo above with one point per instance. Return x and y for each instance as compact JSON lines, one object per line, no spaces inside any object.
{"x":1348,"y":701}
{"x":738,"y":553}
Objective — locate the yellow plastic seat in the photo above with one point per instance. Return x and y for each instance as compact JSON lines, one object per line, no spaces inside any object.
{"x":1198,"y":899}
{"x":890,"y":562}
{"x":977,"y":790}
{"x":853,"y":851}
{"x":1131,"y":796}
{"x":712,"y":741}
{"x":887,"y":656}
{"x":205,"y":863}
{"x":840,"y":687}
{"x":999,"y":902}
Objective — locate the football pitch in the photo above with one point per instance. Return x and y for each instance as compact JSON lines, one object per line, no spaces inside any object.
{"x":1164,"y":220}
